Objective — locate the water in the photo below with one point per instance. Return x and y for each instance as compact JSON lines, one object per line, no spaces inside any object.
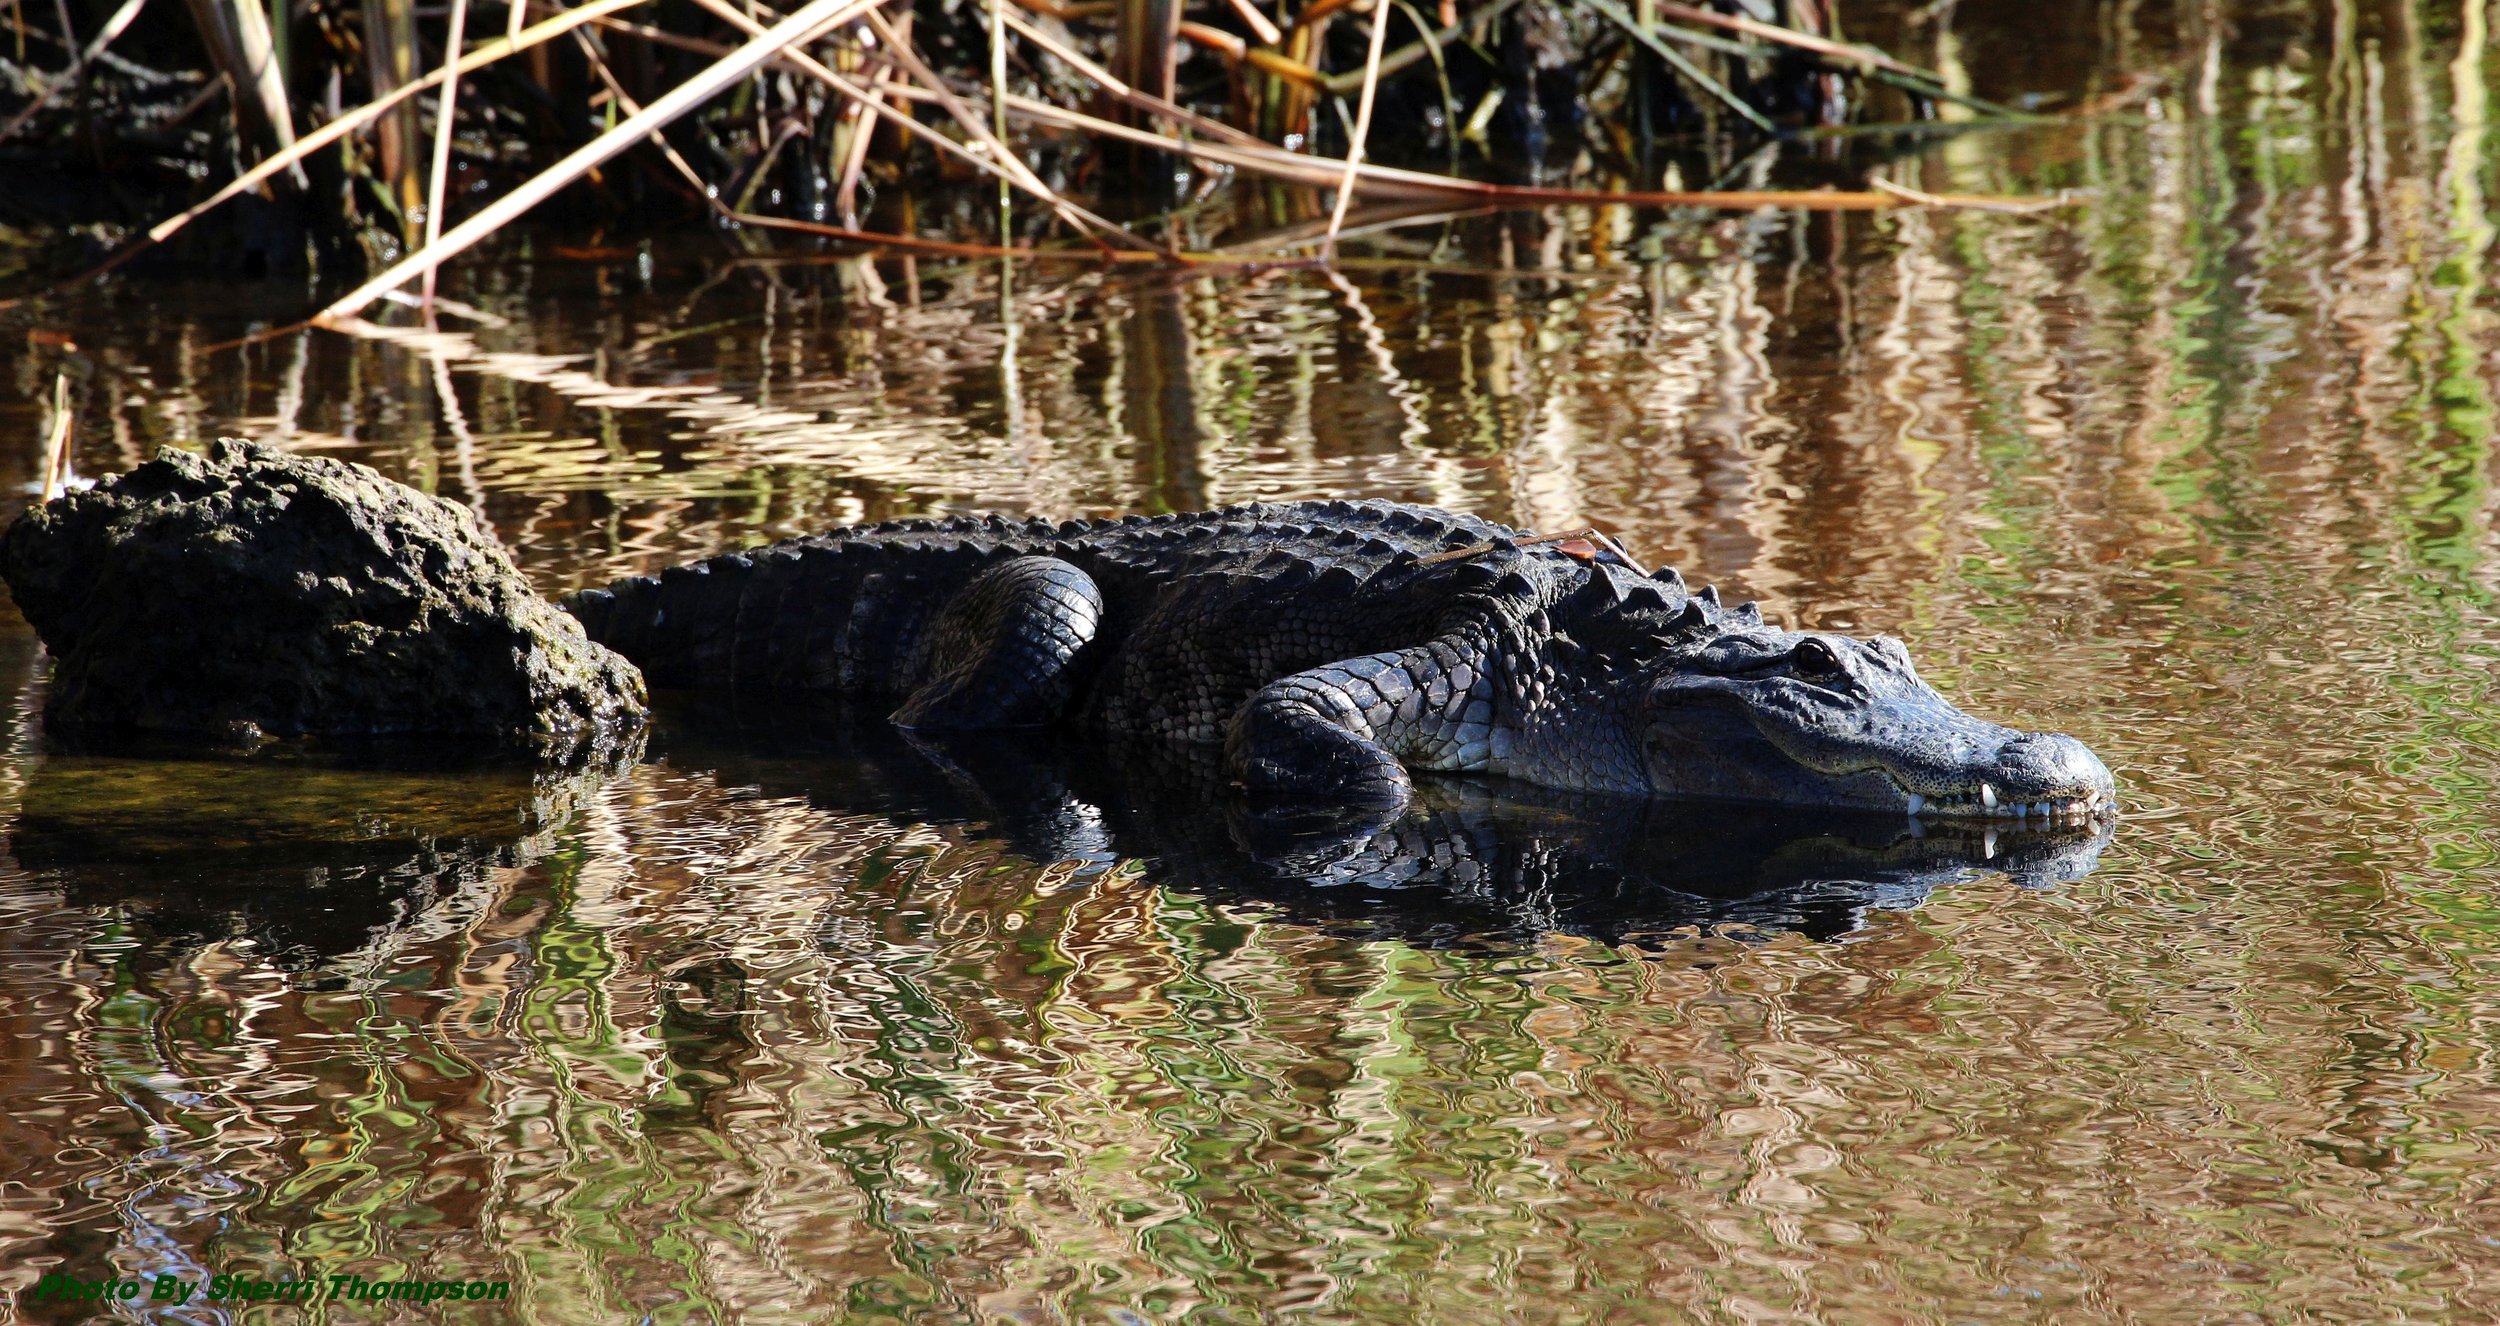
{"x":788,"y":1022}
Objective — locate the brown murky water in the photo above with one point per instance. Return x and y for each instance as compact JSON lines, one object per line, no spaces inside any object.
{"x":784,"y":1024}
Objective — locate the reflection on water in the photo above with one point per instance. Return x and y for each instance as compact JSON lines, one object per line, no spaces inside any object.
{"x":765,"y":1029}
{"x":304,"y":862}
{"x":1495,"y":866}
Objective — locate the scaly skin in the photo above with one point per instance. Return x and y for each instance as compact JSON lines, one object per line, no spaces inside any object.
{"x":1331,"y":651}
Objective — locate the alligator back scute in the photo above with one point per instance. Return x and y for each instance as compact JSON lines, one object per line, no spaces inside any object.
{"x":849,"y":611}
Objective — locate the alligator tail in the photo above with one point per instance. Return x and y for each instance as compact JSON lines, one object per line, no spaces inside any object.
{"x":845,"y":615}
{"x":731,"y":620}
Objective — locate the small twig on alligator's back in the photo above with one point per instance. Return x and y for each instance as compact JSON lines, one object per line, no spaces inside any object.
{"x":1604,"y":542}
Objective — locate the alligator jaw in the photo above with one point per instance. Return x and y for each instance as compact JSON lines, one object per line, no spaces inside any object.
{"x":1986,"y":802}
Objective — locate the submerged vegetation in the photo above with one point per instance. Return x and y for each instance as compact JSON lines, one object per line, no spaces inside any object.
{"x":382,"y":136}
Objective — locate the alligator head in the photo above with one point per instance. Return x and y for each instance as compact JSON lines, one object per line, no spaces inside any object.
{"x":1806,"y":718}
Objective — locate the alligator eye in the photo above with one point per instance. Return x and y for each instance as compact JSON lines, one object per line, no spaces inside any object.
{"x":1813,"y":658}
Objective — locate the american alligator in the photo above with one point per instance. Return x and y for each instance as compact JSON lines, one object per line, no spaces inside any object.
{"x":1332,"y":647}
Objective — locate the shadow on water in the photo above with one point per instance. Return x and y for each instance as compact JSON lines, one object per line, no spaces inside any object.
{"x":1469,"y":864}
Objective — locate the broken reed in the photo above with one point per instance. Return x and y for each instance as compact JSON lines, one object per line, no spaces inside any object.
{"x":375,"y":118}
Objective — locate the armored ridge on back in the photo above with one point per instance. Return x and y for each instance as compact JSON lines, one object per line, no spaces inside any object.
{"x":1334,"y":646}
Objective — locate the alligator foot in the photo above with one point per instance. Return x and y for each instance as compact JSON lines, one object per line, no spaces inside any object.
{"x":1285,"y":747}
{"x":1007,"y":649}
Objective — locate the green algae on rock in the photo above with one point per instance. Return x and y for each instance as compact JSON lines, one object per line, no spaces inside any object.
{"x":253,"y":594}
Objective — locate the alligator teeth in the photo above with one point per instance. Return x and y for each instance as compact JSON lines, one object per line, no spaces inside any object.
{"x":1988,"y":795}
{"x":1917,"y":803}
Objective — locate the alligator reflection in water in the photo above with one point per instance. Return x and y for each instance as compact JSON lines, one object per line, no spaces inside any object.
{"x":1466,"y":863}
{"x":309,"y":859}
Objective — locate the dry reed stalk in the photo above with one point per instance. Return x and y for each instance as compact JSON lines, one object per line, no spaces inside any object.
{"x":83,"y":56}
{"x":1119,"y":91}
{"x":1362,"y":130}
{"x":1863,"y":56}
{"x":799,"y":26}
{"x":1142,"y":44}
{"x":438,"y":185}
{"x":1368,"y":219}
{"x":998,"y":111}
{"x":1236,"y":51}
{"x":1647,"y":35}
{"x":447,"y":304}
{"x":1392,"y":182}
{"x":1874,"y":63}
{"x":236,"y":35}
{"x":855,"y":134}
{"x":1070,"y":13}
{"x":962,"y":249}
{"x":1967,"y":202}
{"x":915,"y":243}
{"x":1013,"y":169}
{"x":56,"y":445}
{"x":366,"y":114}
{"x":1428,"y":48}
{"x":390,"y":41}
{"x":264,"y":74}
{"x":1281,"y":102}
{"x":625,"y":101}
{"x":1259,"y":24}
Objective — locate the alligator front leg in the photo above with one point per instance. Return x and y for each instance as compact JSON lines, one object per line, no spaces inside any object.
{"x":1350,"y":731}
{"x":1008,"y":649}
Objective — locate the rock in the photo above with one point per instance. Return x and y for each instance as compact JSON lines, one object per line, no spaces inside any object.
{"x":252,"y":594}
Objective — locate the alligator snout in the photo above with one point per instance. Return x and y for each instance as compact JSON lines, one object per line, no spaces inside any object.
{"x":2035,"y":776}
